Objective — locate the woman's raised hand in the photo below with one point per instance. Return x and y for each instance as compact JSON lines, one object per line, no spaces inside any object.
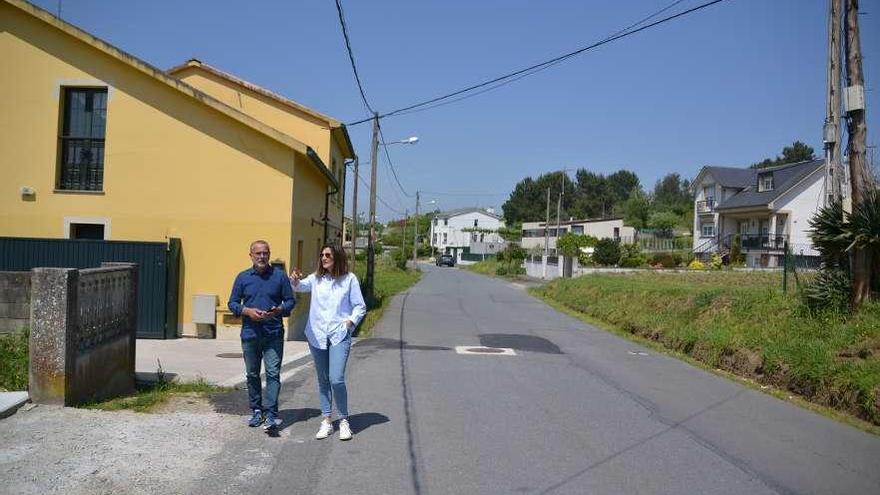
{"x":295,"y":276}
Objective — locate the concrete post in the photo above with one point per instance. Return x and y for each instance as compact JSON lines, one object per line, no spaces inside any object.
{"x":53,"y":321}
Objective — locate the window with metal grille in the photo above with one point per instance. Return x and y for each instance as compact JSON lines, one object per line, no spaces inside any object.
{"x":82,"y":139}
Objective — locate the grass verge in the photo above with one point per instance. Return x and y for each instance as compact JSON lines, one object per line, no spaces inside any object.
{"x":743,"y":324}
{"x":150,"y":396}
{"x":389,"y":281}
{"x":488,"y":268}
{"x":14,"y":361}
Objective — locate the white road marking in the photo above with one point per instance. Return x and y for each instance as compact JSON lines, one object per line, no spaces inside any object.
{"x":484,"y":351}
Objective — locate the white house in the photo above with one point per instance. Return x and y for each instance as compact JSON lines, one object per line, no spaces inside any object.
{"x":467,"y":230}
{"x":605,"y":228}
{"x":766,"y":207}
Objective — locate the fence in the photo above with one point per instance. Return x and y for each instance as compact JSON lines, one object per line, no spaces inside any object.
{"x":800,"y":266}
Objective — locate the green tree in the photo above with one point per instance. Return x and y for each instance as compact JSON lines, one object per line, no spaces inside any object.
{"x":797,"y":152}
{"x":637,"y":210}
{"x":672,"y":193}
{"x":663,"y":222}
{"x":528,"y":200}
{"x":607,"y":252}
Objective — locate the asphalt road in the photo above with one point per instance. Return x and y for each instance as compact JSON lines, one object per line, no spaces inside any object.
{"x":575,"y":410}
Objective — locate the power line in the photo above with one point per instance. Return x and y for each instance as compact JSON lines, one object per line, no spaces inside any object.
{"x":351,"y":55}
{"x":435,"y":193}
{"x":367,"y":184}
{"x":539,"y":69}
{"x":547,"y":63}
{"x":391,"y":164}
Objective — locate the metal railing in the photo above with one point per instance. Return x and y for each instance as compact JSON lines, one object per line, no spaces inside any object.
{"x":706,"y":206}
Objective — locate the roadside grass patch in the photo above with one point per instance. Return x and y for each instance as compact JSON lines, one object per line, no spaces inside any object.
{"x":742,"y":323}
{"x":14,"y":361}
{"x":389,"y":280}
{"x":150,"y":396}
{"x":489,"y":267}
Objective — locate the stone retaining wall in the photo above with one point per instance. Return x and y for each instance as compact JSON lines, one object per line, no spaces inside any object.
{"x":15,"y":303}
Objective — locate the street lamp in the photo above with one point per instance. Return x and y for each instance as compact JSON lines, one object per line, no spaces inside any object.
{"x":409,"y":140}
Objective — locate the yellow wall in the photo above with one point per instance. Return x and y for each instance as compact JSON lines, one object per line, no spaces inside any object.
{"x":307,"y":128}
{"x":174,"y":167}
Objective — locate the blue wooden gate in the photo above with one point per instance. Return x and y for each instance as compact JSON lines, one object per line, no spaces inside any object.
{"x":157,"y":262}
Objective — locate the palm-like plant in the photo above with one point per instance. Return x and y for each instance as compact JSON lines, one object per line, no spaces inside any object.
{"x":835,"y":235}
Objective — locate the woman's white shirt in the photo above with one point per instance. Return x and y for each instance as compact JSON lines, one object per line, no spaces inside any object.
{"x":333,"y":302}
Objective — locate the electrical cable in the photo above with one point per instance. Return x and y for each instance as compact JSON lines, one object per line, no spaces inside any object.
{"x":548,"y":63}
{"x":357,"y":77}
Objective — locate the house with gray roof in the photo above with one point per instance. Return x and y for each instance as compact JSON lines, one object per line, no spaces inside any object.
{"x":762,"y":209}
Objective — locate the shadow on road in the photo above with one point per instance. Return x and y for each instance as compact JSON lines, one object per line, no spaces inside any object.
{"x":381,"y":343}
{"x":519,"y":342}
{"x":361,"y":421}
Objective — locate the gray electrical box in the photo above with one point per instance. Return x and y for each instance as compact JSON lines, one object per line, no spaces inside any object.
{"x":204,"y":308}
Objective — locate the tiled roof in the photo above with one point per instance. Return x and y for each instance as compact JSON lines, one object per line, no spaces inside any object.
{"x":784,"y":178}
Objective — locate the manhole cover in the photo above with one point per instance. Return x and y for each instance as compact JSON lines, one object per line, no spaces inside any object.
{"x":498,"y":351}
{"x":230,"y":355}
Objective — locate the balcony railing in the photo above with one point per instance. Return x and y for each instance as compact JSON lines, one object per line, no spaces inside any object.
{"x":706,"y":206}
{"x":756,"y":242}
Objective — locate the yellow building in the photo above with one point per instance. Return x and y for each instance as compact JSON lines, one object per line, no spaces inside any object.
{"x":99,"y":143}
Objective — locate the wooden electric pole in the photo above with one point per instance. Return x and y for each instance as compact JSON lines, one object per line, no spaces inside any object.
{"x":546,"y":237}
{"x":371,"y":252}
{"x":416,"y":236}
{"x":354,"y":215}
{"x":831,"y":132}
{"x":857,"y":130}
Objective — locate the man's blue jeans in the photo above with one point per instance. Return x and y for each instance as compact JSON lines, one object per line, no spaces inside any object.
{"x":270,"y":350}
{"x":330,"y":368}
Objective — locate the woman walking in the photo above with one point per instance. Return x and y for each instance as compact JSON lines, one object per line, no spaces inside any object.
{"x":337,"y":307}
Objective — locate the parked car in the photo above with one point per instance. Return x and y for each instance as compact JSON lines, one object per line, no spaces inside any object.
{"x":446,"y":259}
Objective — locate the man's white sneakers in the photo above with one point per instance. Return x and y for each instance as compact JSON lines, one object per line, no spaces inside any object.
{"x":344,"y":430}
{"x":325,"y":430}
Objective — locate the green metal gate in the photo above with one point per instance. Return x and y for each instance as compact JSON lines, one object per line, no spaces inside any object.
{"x":158,"y":268}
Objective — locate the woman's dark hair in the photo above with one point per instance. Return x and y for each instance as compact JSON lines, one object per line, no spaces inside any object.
{"x":340,"y":261}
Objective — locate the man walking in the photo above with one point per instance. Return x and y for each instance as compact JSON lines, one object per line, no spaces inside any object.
{"x":261,"y":296}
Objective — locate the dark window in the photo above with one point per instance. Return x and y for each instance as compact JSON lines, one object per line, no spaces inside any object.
{"x":765,"y":182}
{"x":87,"y":231}
{"x":82,"y":139}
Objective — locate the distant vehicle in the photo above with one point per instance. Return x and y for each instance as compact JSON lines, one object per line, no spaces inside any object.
{"x":446,"y":259}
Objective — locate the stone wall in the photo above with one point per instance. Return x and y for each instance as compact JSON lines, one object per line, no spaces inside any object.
{"x":15,"y":303}
{"x":82,"y":341}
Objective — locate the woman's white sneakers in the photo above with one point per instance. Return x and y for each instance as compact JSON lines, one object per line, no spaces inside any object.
{"x":326,"y":430}
{"x":344,"y":430}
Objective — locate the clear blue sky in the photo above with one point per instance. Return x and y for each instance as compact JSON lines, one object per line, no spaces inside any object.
{"x":729,"y":85}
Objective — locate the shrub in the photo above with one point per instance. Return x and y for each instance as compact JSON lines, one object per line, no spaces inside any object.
{"x":607,"y":252}
{"x":716,"y":262}
{"x":501,"y":270}
{"x":665,"y":260}
{"x":696,"y":265}
{"x":631,"y":256}
{"x":829,"y":291}
{"x":736,"y":256}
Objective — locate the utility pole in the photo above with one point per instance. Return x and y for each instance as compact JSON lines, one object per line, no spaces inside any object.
{"x":371,"y":253}
{"x":354,"y":214}
{"x":857,"y":130}
{"x":416,"y":235}
{"x":546,"y":237}
{"x":558,"y":207}
{"x":831,"y":131}
{"x":403,"y":239}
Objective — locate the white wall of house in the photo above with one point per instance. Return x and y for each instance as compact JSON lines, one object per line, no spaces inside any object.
{"x":451,"y":232}
{"x":801,"y":203}
{"x":707,"y":189}
{"x":600,"y":229}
